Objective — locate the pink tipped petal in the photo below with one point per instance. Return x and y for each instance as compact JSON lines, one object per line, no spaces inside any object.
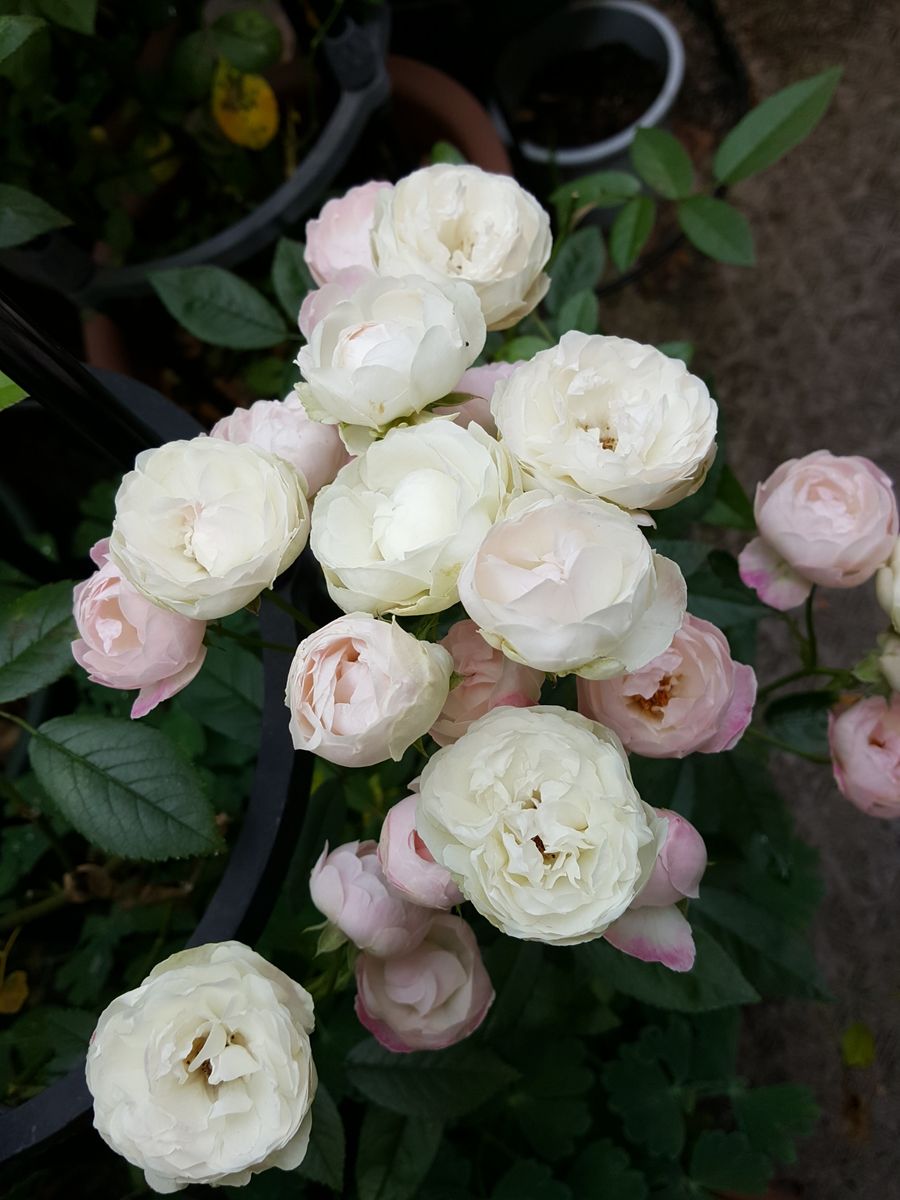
{"x":766,"y":572}
{"x":99,"y":552}
{"x":739,"y":713}
{"x":660,"y":935}
{"x":151,"y":695}
{"x":380,"y":1032}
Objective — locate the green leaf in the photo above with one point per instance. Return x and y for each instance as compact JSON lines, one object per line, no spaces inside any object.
{"x":124,"y":787}
{"x":220,"y":308}
{"x":732,"y":507}
{"x":714,"y":981}
{"x":36,"y":632}
{"x":24,"y":216}
{"x":395,"y":1153}
{"x":717,"y":229}
{"x":682,"y":350}
{"x":21,"y":847}
{"x":663,"y":163}
{"x":727,"y":1162}
{"x":801,"y":720}
{"x":438,"y":1085}
{"x":78,"y":15}
{"x":580,"y":311}
{"x":690,"y":556}
{"x":604,"y":1169}
{"x":247,"y":39}
{"x":772,"y":1117}
{"x":192,"y":65}
{"x":521,"y":348}
{"x":446,"y":152}
{"x":774,"y":127}
{"x":291,"y":278}
{"x":10,"y":393}
{"x":642,"y":1094}
{"x":548,"y":1104}
{"x":270,"y":378}
{"x":529,"y":1180}
{"x":714,"y":1047}
{"x":577,"y":267}
{"x":15,"y":32}
{"x":324,"y":1161}
{"x":602,"y":189}
{"x":227,"y":695}
{"x":631,"y":228}
{"x":716,"y":593}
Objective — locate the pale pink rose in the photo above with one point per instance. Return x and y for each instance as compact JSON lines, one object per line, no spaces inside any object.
{"x":478,"y":385}
{"x":691,"y":698}
{"x":127,"y":642}
{"x":407,"y":864}
{"x":653,"y":928}
{"x":821,"y":519}
{"x":430,"y":998}
{"x":341,"y":235}
{"x":283,"y":428}
{"x":319,"y":303}
{"x":347,"y":886}
{"x":488,"y":679}
{"x":361,"y":690}
{"x":865,"y":754}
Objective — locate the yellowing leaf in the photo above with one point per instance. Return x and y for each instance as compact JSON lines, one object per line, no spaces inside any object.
{"x":244,"y":107}
{"x":158,"y":153}
{"x":13,"y":993}
{"x":858,"y":1046}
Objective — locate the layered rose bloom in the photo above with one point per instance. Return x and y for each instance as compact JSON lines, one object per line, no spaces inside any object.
{"x":361,"y":690}
{"x":430,"y":998}
{"x":691,"y":698}
{"x":611,"y":418}
{"x":127,"y":642}
{"x":865,"y":754}
{"x":340,"y":237}
{"x":204,"y":1074}
{"x":822,"y":519}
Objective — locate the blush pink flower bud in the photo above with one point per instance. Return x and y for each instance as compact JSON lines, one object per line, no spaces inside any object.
{"x":430,"y":998}
{"x":653,"y":928}
{"x":283,"y":428}
{"x":691,"y":698}
{"x":127,"y":642}
{"x":477,"y":385}
{"x":865,"y":754}
{"x":487,"y":679}
{"x":407,"y":864}
{"x":822,"y":519}
{"x":347,"y":886}
{"x":340,"y":237}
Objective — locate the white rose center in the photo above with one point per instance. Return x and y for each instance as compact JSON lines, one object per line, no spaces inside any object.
{"x":217,"y":1055}
{"x":421,"y":510}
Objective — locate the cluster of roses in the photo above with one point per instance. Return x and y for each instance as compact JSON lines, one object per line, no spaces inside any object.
{"x":517,"y":491}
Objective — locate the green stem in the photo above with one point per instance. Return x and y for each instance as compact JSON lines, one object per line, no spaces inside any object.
{"x":543,"y":327}
{"x":8,"y":716}
{"x":779,"y":745}
{"x":811,"y":657}
{"x":300,"y":617}
{"x":31,"y":912}
{"x":793,"y":676}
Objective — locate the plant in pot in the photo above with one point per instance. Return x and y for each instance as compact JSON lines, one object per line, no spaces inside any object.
{"x":570,"y":756}
{"x":183,"y":139}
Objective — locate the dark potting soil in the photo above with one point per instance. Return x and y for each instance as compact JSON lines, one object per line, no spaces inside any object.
{"x":587,"y":96}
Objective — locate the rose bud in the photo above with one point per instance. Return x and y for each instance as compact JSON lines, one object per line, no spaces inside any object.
{"x":407,"y":864}
{"x":127,"y":642}
{"x":347,"y":886}
{"x":340,"y":237}
{"x":887,"y":587}
{"x":865,"y":754}
{"x":472,"y":395}
{"x":821,"y":519}
{"x":430,"y":998}
{"x":691,"y":698}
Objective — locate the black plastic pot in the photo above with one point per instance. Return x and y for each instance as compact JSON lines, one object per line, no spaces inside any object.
{"x":123,"y":417}
{"x":356,"y":56}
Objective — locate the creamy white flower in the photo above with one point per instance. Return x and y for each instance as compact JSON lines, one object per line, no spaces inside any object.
{"x":203,"y":526}
{"x":610,"y":417}
{"x":391,"y":348}
{"x":459,"y":222}
{"x":204,"y":1074}
{"x":887,"y":587}
{"x":393,"y":530}
{"x":573,"y":586}
{"x":534,"y":814}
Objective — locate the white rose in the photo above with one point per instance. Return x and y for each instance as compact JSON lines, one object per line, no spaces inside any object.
{"x":393,"y":530}
{"x":391,"y":348}
{"x":203,"y":526}
{"x":610,"y":417}
{"x":459,"y":222}
{"x":204,"y":1074}
{"x":573,"y":586}
{"x":362,"y":690}
{"x":534,"y":814}
{"x":887,"y":587}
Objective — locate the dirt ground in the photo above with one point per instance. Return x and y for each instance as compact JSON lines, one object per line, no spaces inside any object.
{"x":804,"y":350}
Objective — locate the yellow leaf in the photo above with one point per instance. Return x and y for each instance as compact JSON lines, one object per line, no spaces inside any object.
{"x":858,"y":1046}
{"x":163,"y":164}
{"x":13,"y":993}
{"x":244,"y":107}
